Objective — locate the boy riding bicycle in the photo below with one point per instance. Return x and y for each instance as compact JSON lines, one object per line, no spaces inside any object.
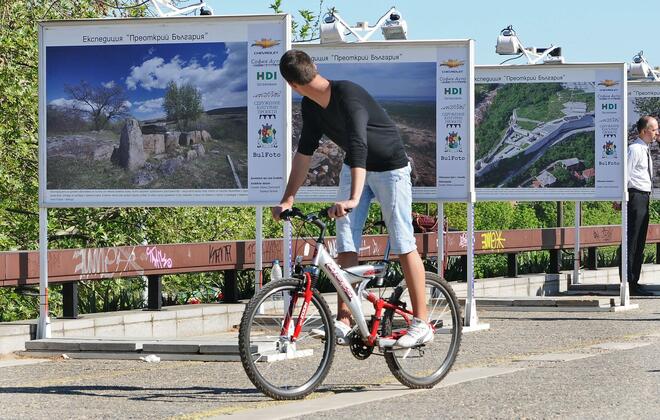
{"x":375,"y":166}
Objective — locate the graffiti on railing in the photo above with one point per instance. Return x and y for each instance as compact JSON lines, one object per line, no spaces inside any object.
{"x":106,"y":261}
{"x":603,"y":234}
{"x":369,"y":246}
{"x":492,"y":240}
{"x":272,"y":250}
{"x":462,"y":240}
{"x":219,"y":254}
{"x":158,"y":257}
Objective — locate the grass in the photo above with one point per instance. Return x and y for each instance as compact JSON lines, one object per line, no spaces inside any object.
{"x":527,"y":125}
{"x":212,"y":171}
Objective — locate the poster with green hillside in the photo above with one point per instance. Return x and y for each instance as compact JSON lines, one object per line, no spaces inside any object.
{"x":541,"y":133}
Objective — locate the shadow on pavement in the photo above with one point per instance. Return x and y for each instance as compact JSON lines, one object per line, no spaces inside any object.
{"x":145,"y":394}
{"x":571,"y":319}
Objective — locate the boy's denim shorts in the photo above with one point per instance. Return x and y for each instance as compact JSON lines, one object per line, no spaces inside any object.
{"x":393,"y":190}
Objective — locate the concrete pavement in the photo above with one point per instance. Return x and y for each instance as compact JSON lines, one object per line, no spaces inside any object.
{"x":529,"y":364}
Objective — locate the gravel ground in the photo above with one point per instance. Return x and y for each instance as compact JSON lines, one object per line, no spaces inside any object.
{"x":612,"y":383}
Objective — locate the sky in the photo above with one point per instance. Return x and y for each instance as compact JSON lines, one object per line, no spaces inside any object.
{"x":587,"y":30}
{"x":218,"y":70}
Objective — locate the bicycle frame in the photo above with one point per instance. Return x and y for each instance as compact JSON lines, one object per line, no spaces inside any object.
{"x":343,"y":280}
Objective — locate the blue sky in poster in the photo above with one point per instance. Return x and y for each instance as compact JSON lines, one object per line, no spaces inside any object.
{"x":415,"y":81}
{"x":218,"y":70}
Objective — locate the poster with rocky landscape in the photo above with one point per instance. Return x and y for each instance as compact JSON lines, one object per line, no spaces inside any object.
{"x":644,"y":99}
{"x":425,"y":89}
{"x":549,"y":132}
{"x":139,"y":113}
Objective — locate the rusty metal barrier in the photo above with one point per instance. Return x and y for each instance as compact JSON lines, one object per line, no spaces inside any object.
{"x":21,"y":268}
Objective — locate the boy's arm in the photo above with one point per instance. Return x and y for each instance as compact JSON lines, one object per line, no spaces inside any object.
{"x":299,"y":169}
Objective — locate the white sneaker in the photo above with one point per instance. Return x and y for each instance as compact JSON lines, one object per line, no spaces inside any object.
{"x":341,"y":333}
{"x":419,"y":332}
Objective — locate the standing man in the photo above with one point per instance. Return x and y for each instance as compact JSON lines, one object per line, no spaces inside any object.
{"x":640,"y":185}
{"x":376,"y":165}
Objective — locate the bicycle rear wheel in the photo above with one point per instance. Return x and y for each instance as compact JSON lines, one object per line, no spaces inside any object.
{"x":425,"y":365}
{"x":277,"y":365}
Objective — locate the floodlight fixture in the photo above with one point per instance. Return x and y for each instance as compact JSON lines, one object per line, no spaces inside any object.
{"x":508,"y":43}
{"x":641,"y":69}
{"x":335,"y":30}
{"x":165,"y":8}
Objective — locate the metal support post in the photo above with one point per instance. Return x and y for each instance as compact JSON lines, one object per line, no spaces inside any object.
{"x":592,"y":258}
{"x":43,"y":327}
{"x":154,"y":293}
{"x":230,"y":289}
{"x":624,"y":291}
{"x":258,"y":251}
{"x":70,"y":300}
{"x":512,"y":264}
{"x":441,"y":239}
{"x":576,"y":249}
{"x":471,"y":318}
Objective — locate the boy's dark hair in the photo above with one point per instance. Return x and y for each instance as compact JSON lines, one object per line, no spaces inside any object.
{"x":643,"y":122}
{"x":297,"y":67}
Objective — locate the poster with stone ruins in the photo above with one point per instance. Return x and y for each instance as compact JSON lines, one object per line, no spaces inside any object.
{"x":185,"y":111}
{"x":425,"y":88}
{"x":644,"y":99}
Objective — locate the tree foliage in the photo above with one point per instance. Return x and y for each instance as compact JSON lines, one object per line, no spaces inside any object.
{"x":101,"y":103}
{"x":182,"y":104}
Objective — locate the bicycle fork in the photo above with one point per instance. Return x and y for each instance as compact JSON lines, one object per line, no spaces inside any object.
{"x":302,"y":315}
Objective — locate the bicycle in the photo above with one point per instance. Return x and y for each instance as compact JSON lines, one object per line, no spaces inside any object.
{"x":285,"y":359}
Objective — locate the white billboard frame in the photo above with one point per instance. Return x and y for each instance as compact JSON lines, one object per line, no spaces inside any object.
{"x":652,"y":89}
{"x":430,"y":48}
{"x":490,"y":73}
{"x":263,"y":28}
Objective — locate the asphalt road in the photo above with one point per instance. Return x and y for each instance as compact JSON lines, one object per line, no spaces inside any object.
{"x":497,"y":375}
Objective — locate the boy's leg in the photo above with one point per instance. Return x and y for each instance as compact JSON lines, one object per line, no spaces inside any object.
{"x":349,"y":232}
{"x":393,"y":189}
{"x":414,"y":273}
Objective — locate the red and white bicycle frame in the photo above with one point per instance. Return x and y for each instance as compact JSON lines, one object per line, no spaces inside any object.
{"x":344,"y":280}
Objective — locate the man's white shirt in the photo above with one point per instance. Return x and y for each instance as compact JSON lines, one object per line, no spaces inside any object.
{"x":639,"y":172}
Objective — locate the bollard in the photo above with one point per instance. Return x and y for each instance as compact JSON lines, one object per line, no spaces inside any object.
{"x":70,"y":300}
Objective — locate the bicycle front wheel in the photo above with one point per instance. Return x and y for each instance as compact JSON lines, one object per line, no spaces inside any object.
{"x":279,"y":365}
{"x":425,"y":365}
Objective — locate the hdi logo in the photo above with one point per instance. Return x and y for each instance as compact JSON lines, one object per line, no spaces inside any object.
{"x":453,"y":91}
{"x":608,"y":107}
{"x":266,"y":75}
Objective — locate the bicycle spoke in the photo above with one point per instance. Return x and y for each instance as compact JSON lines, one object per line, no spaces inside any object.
{"x":425,"y":365}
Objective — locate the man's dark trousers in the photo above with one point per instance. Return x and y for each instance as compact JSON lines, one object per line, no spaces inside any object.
{"x":638,"y":223}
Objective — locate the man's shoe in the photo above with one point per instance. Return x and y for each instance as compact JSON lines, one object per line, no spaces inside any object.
{"x":419,"y":332}
{"x":341,"y":333}
{"x":636,"y":290}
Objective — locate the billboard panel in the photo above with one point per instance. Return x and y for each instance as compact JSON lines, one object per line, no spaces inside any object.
{"x":182,"y":111}
{"x":425,"y":87}
{"x":644,"y":99}
{"x":550,"y":132}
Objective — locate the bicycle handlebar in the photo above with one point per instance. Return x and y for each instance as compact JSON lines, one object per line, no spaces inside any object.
{"x":313,"y":218}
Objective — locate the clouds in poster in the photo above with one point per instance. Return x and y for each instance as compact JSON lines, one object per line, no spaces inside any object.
{"x":218,"y":71}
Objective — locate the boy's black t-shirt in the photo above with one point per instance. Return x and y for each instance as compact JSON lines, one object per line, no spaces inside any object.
{"x":357,"y":124}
